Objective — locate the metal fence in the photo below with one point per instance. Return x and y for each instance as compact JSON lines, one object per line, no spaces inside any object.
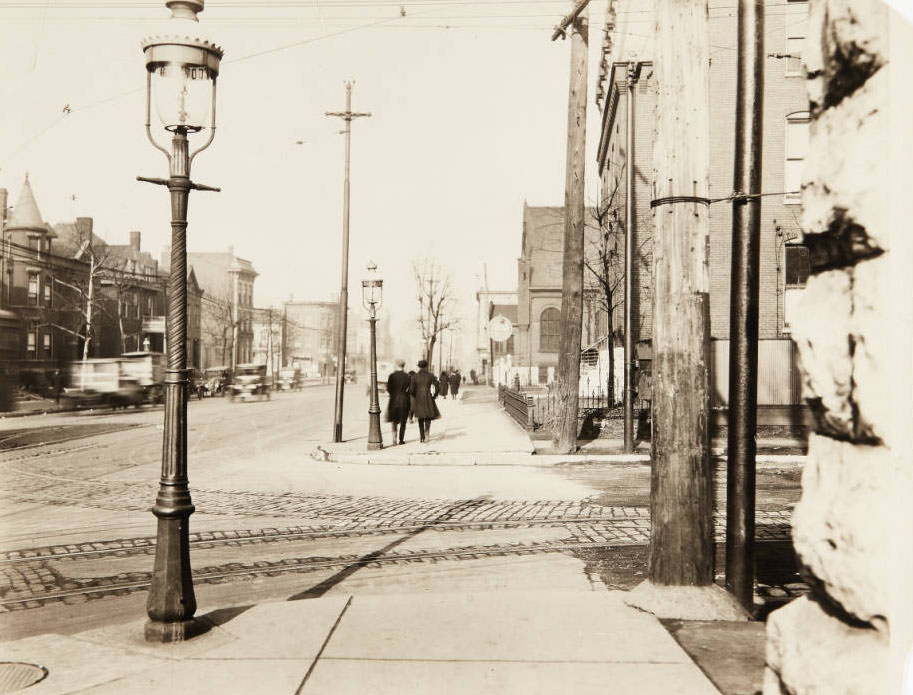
{"x":535,"y":407}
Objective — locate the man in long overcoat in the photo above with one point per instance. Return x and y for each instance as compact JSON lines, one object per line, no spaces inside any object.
{"x":424,"y":389}
{"x":398,"y":406}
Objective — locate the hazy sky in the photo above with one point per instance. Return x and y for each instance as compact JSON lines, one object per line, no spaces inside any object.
{"x":469,"y":104}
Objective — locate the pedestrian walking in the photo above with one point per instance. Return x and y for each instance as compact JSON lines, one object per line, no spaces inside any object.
{"x":399,"y":405}
{"x":454,"y":384}
{"x":424,"y":387}
{"x":445,"y":384}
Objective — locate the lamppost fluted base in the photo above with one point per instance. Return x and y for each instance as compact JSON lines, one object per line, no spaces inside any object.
{"x":375,"y":439}
{"x":171,"y":602}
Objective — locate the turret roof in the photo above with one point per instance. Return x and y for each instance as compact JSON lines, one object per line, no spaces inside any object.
{"x":25,"y":213}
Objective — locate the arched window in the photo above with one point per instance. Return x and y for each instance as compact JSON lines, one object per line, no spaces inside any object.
{"x":549,"y":330}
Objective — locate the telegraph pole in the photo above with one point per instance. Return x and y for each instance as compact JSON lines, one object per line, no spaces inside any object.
{"x":348,"y":115}
{"x":743,"y":305}
{"x":681,"y":539}
{"x":572,"y":282}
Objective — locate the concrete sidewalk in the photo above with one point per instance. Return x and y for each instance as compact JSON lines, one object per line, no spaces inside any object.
{"x":474,"y":430}
{"x":511,"y":642}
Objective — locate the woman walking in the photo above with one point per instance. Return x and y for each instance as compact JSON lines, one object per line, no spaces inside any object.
{"x":424,"y":388}
{"x":444,"y":384}
{"x":399,"y":406}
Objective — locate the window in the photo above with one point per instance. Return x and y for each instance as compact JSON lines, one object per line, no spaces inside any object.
{"x":794,"y":46}
{"x":796,"y":23}
{"x":33,"y":287}
{"x":35,"y":245}
{"x":47,"y":291}
{"x":46,"y":345}
{"x":797,"y":265}
{"x":31,"y":341}
{"x":796,"y":149}
{"x":549,"y":330}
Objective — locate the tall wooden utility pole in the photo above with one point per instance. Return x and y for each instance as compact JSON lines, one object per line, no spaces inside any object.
{"x":347,"y":116}
{"x":681,"y":540}
{"x":743,"y":305}
{"x":628,"y":400}
{"x":572,"y":277}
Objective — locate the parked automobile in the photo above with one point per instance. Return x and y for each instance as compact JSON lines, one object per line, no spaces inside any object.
{"x":350,"y":376}
{"x":249,"y":382}
{"x":199,"y":385}
{"x":289,"y":379}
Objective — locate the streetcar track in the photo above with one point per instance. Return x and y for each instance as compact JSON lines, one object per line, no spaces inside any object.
{"x":293,"y":565}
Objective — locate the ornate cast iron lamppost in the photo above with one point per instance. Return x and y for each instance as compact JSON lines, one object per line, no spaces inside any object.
{"x":372,"y":292}
{"x":181,"y":76}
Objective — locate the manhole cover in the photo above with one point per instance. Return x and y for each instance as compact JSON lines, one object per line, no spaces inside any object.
{"x":15,"y":675}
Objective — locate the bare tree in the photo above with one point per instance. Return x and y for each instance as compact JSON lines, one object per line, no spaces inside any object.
{"x":607,"y":271}
{"x":434,"y":292}
{"x":217,"y":322}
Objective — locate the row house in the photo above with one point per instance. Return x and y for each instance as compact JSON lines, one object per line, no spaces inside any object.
{"x":67,"y":287}
{"x":627,"y":62}
{"x":45,"y":288}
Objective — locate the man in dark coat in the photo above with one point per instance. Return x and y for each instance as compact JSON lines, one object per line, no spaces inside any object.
{"x":424,"y":388}
{"x":454,"y":383}
{"x":398,"y":406}
{"x":445,"y":384}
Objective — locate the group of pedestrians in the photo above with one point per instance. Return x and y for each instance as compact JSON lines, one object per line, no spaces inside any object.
{"x":450,"y":383}
{"x":413,"y":396}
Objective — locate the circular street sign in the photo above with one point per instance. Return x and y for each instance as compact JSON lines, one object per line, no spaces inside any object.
{"x":500,"y":329}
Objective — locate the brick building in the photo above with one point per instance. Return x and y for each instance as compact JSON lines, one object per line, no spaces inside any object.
{"x":227,"y":283}
{"x":44,"y":286}
{"x":539,"y":278}
{"x":783,"y":260}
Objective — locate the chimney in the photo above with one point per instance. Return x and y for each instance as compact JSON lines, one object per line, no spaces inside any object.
{"x":134,"y":241}
{"x":165,"y":260}
{"x":84,"y":228}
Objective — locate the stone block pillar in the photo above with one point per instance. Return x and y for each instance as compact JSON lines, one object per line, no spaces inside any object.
{"x":853,"y":527}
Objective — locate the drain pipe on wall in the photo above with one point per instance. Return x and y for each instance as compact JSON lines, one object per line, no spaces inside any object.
{"x":629,"y":254}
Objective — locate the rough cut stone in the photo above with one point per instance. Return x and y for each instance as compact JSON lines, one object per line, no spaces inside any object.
{"x":875,"y":383}
{"x":853,"y":47}
{"x":817,"y":654}
{"x":821,"y":330}
{"x":850,"y":145}
{"x":842,"y":525}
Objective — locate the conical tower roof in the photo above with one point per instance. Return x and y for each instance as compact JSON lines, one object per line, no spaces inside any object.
{"x":25,"y":214}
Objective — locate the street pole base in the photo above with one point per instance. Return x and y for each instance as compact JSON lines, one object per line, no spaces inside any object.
{"x":177,"y":631}
{"x":374,"y":446}
{"x":669,"y":602}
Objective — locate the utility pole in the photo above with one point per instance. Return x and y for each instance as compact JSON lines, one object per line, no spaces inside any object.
{"x":743,"y":305}
{"x":234,"y":271}
{"x":348,"y":115}
{"x":572,"y":279}
{"x":628,"y":403}
{"x":681,"y":539}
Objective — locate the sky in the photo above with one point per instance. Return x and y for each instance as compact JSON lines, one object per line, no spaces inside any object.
{"x":468,"y":103}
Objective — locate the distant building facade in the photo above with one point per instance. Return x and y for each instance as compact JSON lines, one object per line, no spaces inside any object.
{"x":227,"y":306}
{"x":539,"y":281}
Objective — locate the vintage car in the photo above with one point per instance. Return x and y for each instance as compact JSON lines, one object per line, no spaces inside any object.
{"x":216,"y":381}
{"x":289,"y":379}
{"x":148,"y":369}
{"x":250,"y":382}
{"x":99,"y":383}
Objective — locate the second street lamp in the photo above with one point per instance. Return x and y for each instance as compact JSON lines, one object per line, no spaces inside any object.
{"x":372,"y":291}
{"x":181,"y":72}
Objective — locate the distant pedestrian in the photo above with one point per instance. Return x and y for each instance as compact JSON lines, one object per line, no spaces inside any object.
{"x":454,"y":384}
{"x":424,"y":387}
{"x":399,"y":406}
{"x":445,"y":384}
{"x":473,"y":377}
